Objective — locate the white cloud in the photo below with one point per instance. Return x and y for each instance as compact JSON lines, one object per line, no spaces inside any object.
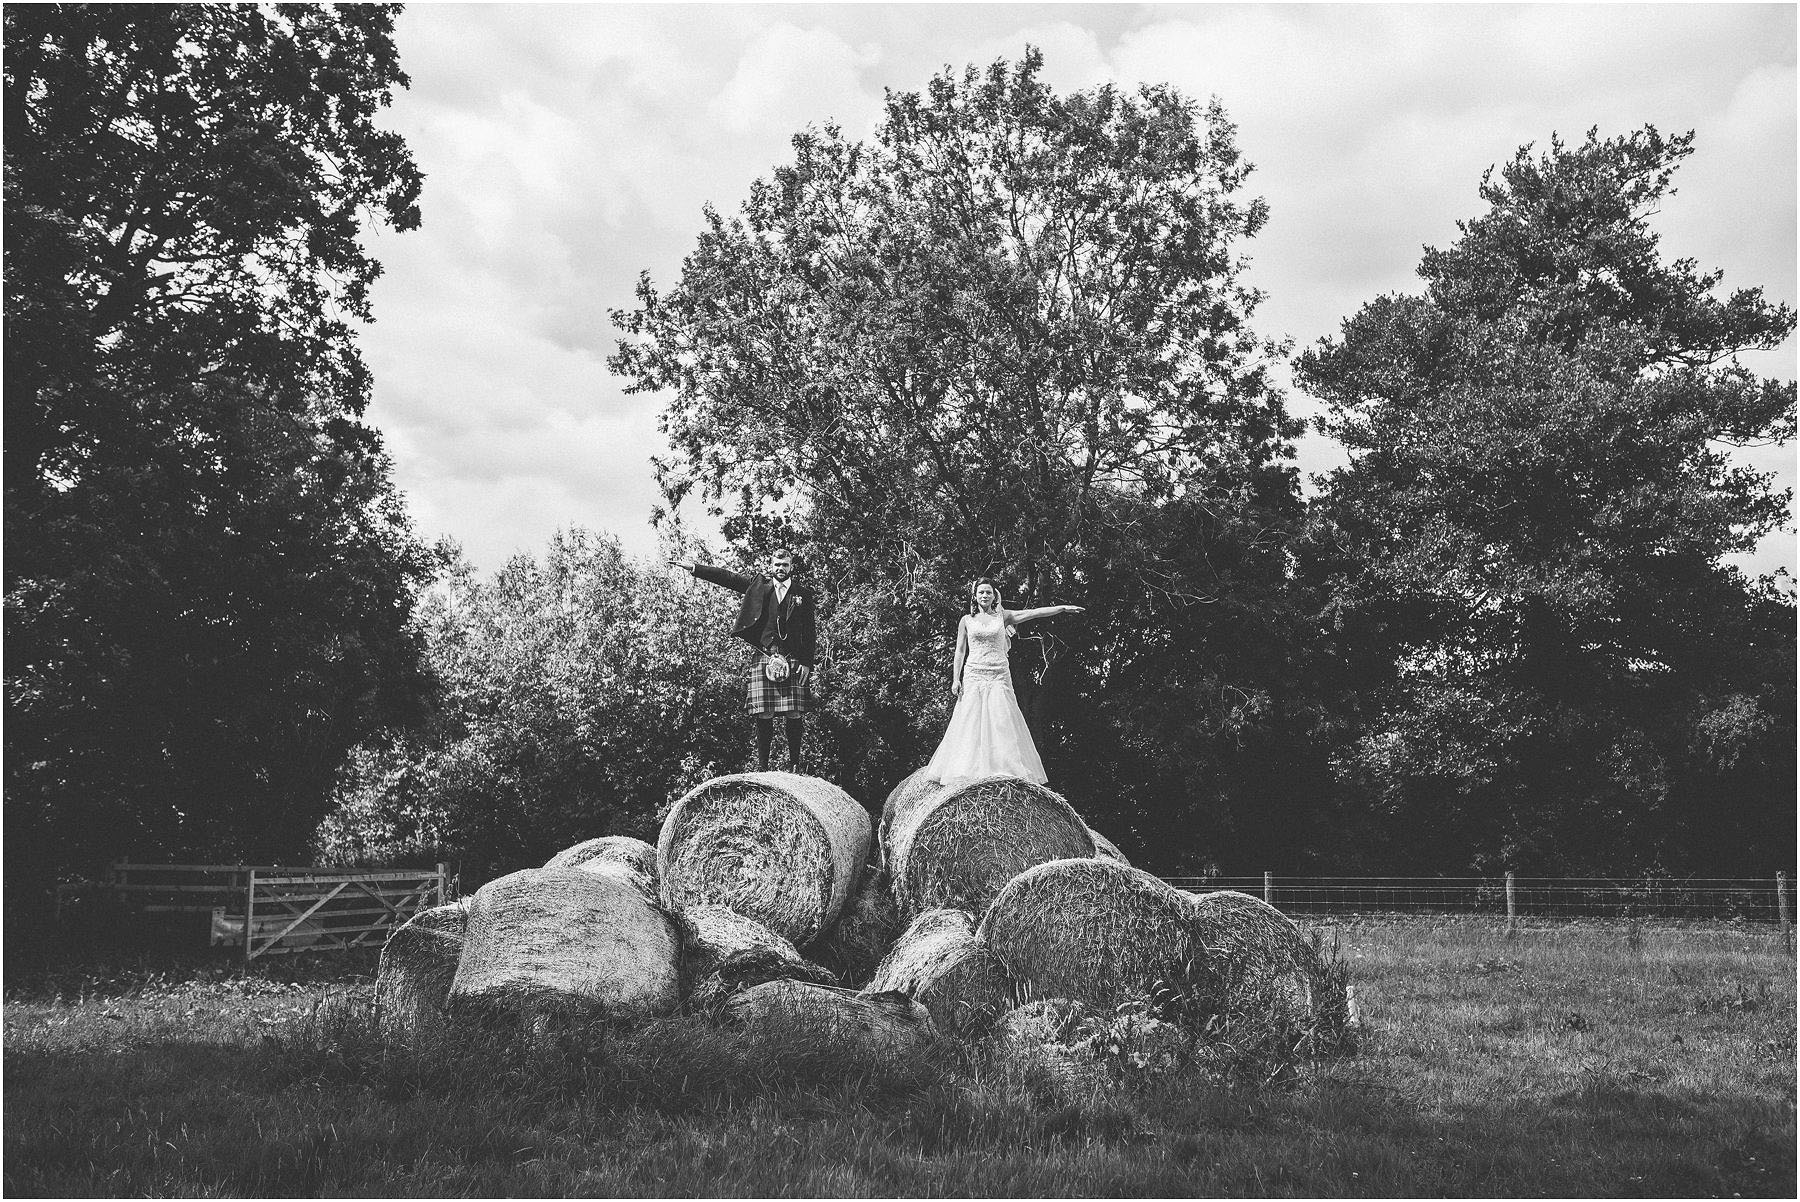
{"x":570,"y":146}
{"x":788,"y":78}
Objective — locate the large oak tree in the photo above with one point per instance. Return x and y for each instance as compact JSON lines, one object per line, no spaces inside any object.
{"x":208,"y":571}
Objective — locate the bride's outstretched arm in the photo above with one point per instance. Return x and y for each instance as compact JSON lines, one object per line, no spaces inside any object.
{"x":1018,"y":617}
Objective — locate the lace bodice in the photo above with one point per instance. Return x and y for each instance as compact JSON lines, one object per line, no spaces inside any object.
{"x":987,"y":641}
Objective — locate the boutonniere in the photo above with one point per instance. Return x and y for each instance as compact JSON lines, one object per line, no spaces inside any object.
{"x":799,"y":598}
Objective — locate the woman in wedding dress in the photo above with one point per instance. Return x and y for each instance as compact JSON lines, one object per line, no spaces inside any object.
{"x":987,"y":733}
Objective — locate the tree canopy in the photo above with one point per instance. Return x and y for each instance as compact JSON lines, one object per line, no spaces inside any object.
{"x":580,"y":694}
{"x":208,"y":571}
{"x":976,"y":340}
{"x":1009,"y":334}
{"x":1526,"y":552}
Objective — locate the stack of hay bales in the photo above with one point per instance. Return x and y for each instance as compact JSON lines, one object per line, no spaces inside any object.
{"x":989,"y":903}
{"x":1062,"y":915}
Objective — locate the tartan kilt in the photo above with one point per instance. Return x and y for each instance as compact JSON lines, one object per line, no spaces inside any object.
{"x":765,"y":699}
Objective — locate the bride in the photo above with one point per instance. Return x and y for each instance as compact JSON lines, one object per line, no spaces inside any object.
{"x":987,"y":733}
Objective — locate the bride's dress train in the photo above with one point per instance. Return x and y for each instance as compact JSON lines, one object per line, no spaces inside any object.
{"x":987,"y":733}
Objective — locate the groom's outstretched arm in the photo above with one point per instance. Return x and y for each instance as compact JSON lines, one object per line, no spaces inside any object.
{"x":716,"y":575}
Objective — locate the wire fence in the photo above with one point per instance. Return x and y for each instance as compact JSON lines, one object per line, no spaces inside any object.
{"x":1512,"y":898}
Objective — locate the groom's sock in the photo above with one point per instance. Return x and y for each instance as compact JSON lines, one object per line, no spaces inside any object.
{"x":765,"y":734}
{"x":796,"y":734}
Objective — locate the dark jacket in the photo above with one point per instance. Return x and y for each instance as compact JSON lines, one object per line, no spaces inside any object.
{"x":789,"y":630}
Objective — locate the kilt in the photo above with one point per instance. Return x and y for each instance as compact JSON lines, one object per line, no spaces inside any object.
{"x":764,"y":698}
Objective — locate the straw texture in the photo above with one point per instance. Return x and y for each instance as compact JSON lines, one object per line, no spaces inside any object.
{"x":959,"y":847}
{"x":1094,"y":931}
{"x":777,"y":847}
{"x":795,"y":1015}
{"x":1105,"y":848}
{"x":940,"y":963}
{"x":1257,"y":957}
{"x":561,"y":938}
{"x":863,"y":933}
{"x":903,"y":798}
{"x":633,"y":860}
{"x":738,"y":952}
{"x":418,"y":962}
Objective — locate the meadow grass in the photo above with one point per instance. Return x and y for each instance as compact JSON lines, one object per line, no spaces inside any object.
{"x":1587,"y":1061}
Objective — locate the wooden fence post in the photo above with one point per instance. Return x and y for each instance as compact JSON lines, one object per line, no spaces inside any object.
{"x":249,"y":912}
{"x":1512,"y":913}
{"x":1781,"y":912}
{"x":1269,"y":888}
{"x":443,"y":888}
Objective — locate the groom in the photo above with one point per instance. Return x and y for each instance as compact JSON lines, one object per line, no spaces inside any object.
{"x":776,"y":618}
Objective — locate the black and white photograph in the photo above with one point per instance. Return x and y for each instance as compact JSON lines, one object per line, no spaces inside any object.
{"x":951,"y":600}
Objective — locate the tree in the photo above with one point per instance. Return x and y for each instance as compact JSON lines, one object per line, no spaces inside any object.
{"x":1009,"y":334}
{"x":986,"y":337}
{"x":208,"y":571}
{"x":1525,"y":554}
{"x":581,"y":695}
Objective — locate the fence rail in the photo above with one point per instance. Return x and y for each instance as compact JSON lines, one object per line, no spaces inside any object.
{"x":1512,"y":897}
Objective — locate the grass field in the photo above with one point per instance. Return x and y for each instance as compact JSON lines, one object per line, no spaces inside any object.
{"x":1588,"y":1061}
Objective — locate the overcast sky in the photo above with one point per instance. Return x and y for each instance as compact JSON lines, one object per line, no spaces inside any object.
{"x":567,"y":147}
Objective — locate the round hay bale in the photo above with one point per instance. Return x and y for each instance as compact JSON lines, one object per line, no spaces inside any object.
{"x":1094,"y":931}
{"x":724,"y":952}
{"x":863,"y":934}
{"x":941,"y":964}
{"x":959,"y":847}
{"x":631,"y":859}
{"x":780,"y":848}
{"x":1105,"y":849}
{"x":564,"y":939}
{"x":412,"y":981}
{"x":903,"y":799}
{"x":1258,"y":960}
{"x":794,"y":1020}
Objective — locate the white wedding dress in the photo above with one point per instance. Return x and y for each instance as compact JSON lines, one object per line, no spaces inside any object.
{"x":987,"y":733}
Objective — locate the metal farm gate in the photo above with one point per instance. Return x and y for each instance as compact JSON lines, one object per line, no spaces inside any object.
{"x":304,"y":909}
{"x":271,"y":910}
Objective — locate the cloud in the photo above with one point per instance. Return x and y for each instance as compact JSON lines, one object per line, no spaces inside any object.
{"x":788,"y":78}
{"x":569,"y":147}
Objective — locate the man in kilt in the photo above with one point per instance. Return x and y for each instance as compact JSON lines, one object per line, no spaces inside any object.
{"x":776,"y":618}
